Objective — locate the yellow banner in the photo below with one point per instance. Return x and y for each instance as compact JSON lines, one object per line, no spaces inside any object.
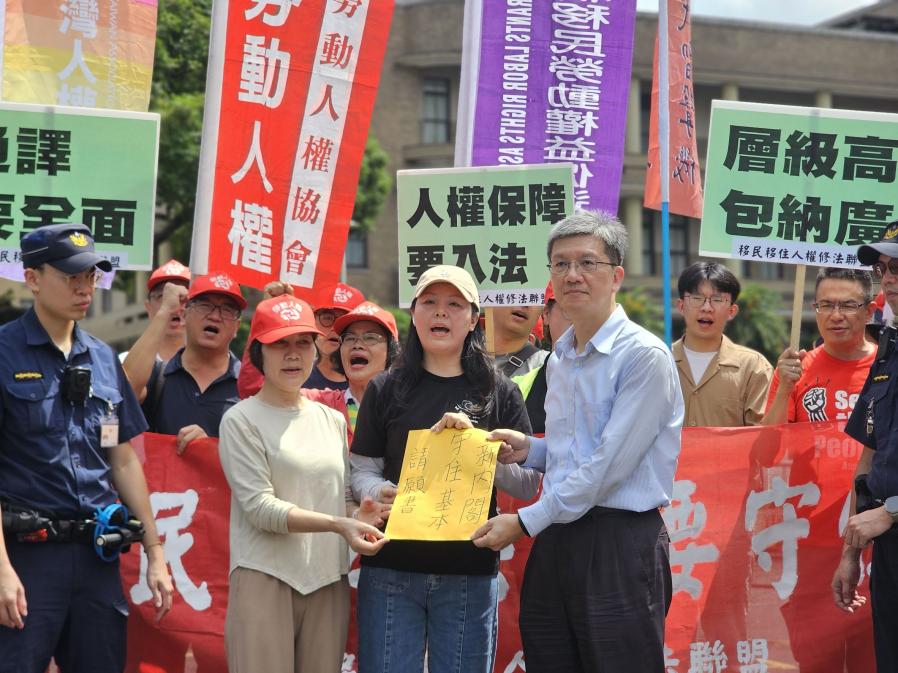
{"x":444,"y":487}
{"x":78,"y":53}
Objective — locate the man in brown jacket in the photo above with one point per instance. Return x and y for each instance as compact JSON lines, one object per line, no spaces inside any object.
{"x":724,"y":384}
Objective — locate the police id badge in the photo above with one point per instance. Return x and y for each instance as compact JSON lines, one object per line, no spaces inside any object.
{"x":109,"y":429}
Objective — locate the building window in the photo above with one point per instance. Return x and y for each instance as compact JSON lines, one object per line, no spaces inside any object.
{"x":645,"y":119}
{"x":679,"y":243}
{"x":648,"y":243}
{"x":651,"y":248}
{"x":106,"y":300}
{"x":765,"y":271}
{"x":357,"y":249}
{"x":435,"y":118}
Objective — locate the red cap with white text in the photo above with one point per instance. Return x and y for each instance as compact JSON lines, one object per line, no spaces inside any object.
{"x":217,"y":283}
{"x":282,"y":316}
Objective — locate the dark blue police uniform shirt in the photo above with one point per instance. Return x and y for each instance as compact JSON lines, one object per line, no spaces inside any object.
{"x":50,"y":454}
{"x":318,"y":381}
{"x":881,"y":391}
{"x":181,"y":403}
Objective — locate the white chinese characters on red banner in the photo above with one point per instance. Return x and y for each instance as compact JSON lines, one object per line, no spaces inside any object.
{"x":280,"y":162}
{"x":754,"y":527}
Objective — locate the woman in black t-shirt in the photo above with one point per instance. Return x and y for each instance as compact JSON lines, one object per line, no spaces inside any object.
{"x":438,"y":597}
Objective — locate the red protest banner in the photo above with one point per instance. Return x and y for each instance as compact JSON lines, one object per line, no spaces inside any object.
{"x":754,"y":527}
{"x":191,"y":502}
{"x":290,"y":94}
{"x":683,"y":169}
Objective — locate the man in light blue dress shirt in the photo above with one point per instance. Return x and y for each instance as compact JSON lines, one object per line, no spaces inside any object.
{"x":597,"y":585}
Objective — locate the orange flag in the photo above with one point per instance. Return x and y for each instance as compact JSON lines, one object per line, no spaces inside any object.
{"x":683,"y":169}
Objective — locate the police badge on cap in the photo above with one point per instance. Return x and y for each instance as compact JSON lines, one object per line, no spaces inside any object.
{"x":869,"y":254}
{"x":67,"y":247}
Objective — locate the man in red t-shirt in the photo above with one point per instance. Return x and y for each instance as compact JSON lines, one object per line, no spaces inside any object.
{"x":823,"y":384}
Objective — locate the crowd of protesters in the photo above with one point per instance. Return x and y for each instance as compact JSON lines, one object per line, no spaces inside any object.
{"x":312,"y":429}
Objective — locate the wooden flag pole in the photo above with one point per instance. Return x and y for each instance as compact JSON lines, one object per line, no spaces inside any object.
{"x":797,"y":305}
{"x":490,"y":329}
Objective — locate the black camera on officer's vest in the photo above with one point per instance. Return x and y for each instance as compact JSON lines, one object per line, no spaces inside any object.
{"x":75,"y":384}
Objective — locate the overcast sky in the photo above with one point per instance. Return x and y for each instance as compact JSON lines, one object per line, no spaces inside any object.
{"x":805,"y":12}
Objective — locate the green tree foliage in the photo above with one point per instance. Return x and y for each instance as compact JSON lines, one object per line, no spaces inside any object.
{"x":238,"y":345}
{"x":403,"y":321}
{"x":179,"y":84}
{"x":374,"y":185}
{"x":179,"y":156}
{"x":759,"y":323}
{"x":8,"y":310}
{"x":643,"y":309}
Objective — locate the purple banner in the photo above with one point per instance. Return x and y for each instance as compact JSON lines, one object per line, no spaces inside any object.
{"x":553,"y":86}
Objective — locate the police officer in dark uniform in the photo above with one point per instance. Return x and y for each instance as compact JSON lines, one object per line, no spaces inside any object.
{"x":874,"y":423}
{"x":67,"y":414}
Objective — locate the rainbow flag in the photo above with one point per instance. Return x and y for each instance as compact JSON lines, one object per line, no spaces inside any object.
{"x":83,"y":53}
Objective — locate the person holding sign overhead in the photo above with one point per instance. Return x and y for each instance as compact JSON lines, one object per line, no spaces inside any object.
{"x":286,"y":461}
{"x":435,"y":596}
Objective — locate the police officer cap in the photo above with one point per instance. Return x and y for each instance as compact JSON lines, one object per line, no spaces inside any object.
{"x":869,"y":254}
{"x":67,"y":247}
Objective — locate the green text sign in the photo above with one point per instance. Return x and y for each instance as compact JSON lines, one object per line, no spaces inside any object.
{"x":492,"y":221}
{"x":65,"y":164}
{"x":797,"y":185}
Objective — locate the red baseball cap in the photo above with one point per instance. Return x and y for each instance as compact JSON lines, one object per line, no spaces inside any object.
{"x":280,"y":317}
{"x":171,"y":270}
{"x":217,"y":283}
{"x":550,"y":293}
{"x":345,"y":297}
{"x":367,"y":310}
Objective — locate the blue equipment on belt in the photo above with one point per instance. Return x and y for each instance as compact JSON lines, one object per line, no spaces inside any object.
{"x":110,"y":532}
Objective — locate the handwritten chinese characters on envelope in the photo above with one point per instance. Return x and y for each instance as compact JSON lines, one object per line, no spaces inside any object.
{"x":445,"y":485}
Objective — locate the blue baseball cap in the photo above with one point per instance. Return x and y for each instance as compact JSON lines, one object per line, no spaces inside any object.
{"x":869,"y":254}
{"x":68,"y":247}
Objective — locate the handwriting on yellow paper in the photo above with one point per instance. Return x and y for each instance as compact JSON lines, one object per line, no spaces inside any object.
{"x":445,"y":485}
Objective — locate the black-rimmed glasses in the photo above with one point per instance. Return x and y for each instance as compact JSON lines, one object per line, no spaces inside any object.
{"x":207,"y":308}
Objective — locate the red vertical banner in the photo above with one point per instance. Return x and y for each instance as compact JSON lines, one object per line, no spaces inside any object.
{"x":683,"y":169}
{"x":291,"y":88}
{"x":191,"y":503}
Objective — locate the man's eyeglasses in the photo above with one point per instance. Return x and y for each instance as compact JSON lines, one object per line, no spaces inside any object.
{"x":207,"y":308}
{"x":561,"y":268}
{"x":879,"y":269}
{"x":370,"y":339}
{"x":844,"y":307}
{"x":74,"y":280}
{"x":698,"y":300}
{"x":325,"y":318}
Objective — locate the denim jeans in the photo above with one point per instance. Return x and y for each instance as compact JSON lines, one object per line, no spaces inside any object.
{"x":402,"y":614}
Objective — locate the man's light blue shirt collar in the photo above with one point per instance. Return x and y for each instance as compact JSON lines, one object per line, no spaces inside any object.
{"x":601,"y":342}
